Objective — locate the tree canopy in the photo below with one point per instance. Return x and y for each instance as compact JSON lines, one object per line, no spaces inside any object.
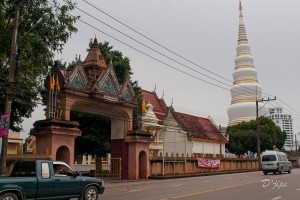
{"x":242,"y":137}
{"x":35,"y":51}
{"x":95,"y":138}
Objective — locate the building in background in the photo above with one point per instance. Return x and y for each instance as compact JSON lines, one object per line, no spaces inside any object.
{"x":285,"y":122}
{"x":178,"y":134}
{"x":246,"y":90}
{"x":15,"y":144}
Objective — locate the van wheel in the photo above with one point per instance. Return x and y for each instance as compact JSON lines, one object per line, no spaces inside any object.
{"x":265,"y":172}
{"x":91,"y":193}
{"x":8,"y":196}
{"x":281,"y":171}
{"x":290,"y":170}
{"x":274,"y":172}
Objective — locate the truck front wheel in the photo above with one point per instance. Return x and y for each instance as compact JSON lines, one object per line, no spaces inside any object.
{"x":91,"y":193}
{"x":8,"y":196}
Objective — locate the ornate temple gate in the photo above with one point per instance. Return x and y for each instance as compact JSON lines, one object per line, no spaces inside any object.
{"x":91,"y":87}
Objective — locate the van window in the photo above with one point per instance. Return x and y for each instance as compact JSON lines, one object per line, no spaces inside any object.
{"x":269,"y":158}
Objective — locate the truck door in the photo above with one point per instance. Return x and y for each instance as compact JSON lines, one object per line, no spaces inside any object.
{"x":65,"y":182}
{"x":44,"y":190}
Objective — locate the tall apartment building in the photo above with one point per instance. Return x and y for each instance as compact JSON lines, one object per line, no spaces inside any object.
{"x":285,"y":122}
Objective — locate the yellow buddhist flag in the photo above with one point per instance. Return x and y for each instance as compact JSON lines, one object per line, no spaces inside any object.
{"x":143,"y":106}
{"x":57,"y":83}
{"x":51,"y":83}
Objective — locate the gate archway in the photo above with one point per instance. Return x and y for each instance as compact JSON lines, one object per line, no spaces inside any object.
{"x":63,"y":154}
{"x":92,"y":87}
{"x":143,"y":165}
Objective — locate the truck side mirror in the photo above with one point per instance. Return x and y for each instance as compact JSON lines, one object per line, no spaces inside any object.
{"x":77,"y":173}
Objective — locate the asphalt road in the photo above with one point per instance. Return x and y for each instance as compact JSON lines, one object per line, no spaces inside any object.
{"x":245,"y":186}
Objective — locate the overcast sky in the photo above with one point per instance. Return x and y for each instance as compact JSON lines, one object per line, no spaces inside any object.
{"x":204,"y":32}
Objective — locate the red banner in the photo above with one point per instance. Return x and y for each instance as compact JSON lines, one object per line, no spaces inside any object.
{"x":208,"y":163}
{"x":4,"y":125}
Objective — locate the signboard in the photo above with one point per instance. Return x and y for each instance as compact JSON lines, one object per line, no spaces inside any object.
{"x":208,"y":163}
{"x":4,"y":125}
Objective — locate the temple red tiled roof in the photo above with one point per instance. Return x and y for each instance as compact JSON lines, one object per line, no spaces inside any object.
{"x":200,"y":128}
{"x":159,"y":106}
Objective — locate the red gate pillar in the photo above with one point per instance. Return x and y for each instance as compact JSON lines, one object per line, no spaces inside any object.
{"x":119,"y":149}
{"x":51,"y":134}
{"x":138,"y":154}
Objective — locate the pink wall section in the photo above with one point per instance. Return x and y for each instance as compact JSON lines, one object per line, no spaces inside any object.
{"x":138,"y":167}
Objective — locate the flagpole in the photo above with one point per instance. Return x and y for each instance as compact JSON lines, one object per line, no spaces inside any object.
{"x":57,"y":90}
{"x":55,"y":101}
{"x":52,"y":104}
{"x":49,"y":103}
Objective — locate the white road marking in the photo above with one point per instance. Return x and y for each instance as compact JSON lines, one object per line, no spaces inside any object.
{"x":177,"y":185}
{"x":229,"y":178}
{"x":206,"y":181}
{"x":279,"y":197}
{"x":135,"y":190}
{"x":298,"y":189}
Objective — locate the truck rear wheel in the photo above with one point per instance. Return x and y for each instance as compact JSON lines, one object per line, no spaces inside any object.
{"x":8,"y":196}
{"x":91,"y":193}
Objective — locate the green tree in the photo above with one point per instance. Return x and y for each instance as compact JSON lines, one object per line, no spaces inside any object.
{"x":35,"y":51}
{"x":95,"y":139}
{"x":242,"y":137}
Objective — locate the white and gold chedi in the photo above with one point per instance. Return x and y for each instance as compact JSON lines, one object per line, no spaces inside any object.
{"x":149,"y":119}
{"x":245,"y":90}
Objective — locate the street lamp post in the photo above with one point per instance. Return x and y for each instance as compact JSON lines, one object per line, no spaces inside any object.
{"x":8,"y":100}
{"x":10,"y":81}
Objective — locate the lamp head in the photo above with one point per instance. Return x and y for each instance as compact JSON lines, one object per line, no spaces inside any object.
{"x":45,"y":17}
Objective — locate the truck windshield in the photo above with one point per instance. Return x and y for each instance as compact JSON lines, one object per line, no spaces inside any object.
{"x":269,"y":158}
{"x":23,"y":169}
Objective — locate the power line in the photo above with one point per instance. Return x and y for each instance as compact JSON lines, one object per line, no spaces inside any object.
{"x":148,"y":38}
{"x":288,"y":110}
{"x":288,"y":106}
{"x":249,"y":89}
{"x":162,"y":61}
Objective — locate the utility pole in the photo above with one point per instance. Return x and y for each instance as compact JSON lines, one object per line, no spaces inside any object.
{"x":297,"y":154}
{"x":10,"y":82}
{"x":11,"y":75}
{"x":257,"y":129}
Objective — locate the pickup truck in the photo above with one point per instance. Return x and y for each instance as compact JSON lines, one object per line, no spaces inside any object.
{"x":45,"y":179}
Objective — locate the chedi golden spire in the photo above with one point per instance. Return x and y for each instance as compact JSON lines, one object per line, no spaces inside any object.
{"x":242,"y":31}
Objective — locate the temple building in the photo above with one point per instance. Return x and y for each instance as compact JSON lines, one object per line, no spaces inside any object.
{"x":181,"y":134}
{"x":246,"y":90}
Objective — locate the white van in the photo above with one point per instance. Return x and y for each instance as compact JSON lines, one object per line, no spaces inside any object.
{"x":275,"y":161}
